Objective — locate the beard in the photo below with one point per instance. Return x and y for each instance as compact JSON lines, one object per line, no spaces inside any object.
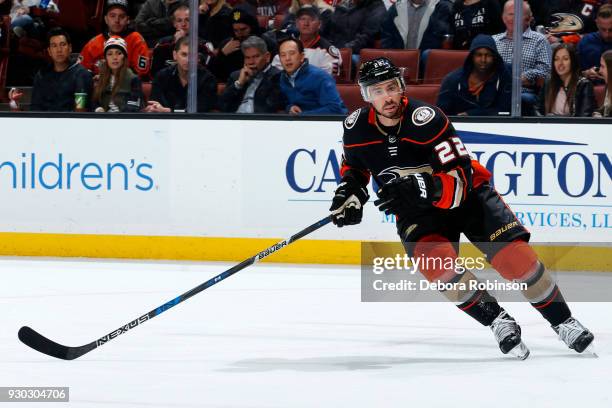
{"x":395,"y":115}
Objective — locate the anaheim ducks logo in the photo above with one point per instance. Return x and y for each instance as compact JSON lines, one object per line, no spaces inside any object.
{"x":391,"y":173}
{"x":423,"y":115}
{"x":564,"y":23}
{"x":351,"y":119}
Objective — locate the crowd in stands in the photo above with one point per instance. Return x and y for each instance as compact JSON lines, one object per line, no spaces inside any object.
{"x":300,"y":57}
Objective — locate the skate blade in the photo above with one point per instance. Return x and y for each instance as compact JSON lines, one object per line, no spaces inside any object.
{"x":520,"y":351}
{"x":590,"y":350}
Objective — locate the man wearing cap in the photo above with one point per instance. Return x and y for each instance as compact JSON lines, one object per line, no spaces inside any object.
{"x":319,"y":51}
{"x":117,"y":20}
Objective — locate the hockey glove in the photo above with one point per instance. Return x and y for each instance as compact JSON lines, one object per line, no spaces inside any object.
{"x":347,"y":204}
{"x":406,"y":193}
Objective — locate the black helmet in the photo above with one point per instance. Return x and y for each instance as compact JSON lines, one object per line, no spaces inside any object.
{"x":378,"y":70}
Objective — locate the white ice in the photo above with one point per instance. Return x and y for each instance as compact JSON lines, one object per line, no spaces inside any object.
{"x":278,"y":336}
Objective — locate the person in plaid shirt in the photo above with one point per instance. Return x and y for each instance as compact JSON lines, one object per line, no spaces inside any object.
{"x":536,"y":55}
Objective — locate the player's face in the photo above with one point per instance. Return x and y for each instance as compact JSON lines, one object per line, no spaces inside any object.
{"x":117,"y":20}
{"x":562,"y":62}
{"x":290,"y":56}
{"x":483,"y":59}
{"x":59,"y":49}
{"x":255,"y":59}
{"x":604,"y":26}
{"x":307,"y":25}
{"x":603,"y":69}
{"x":182,"y":57}
{"x":181,"y":19}
{"x":386,"y":97}
{"x":114,"y":59}
{"x":241,"y":31}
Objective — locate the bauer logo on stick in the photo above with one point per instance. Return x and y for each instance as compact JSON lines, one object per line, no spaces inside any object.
{"x":423,"y":115}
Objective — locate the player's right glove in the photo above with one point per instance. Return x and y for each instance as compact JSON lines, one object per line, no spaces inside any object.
{"x":347,"y":204}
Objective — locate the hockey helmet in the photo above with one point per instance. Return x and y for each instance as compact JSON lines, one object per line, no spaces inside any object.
{"x":376,"y":71}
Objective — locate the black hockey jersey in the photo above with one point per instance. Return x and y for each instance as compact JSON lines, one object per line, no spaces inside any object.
{"x":424,"y":141}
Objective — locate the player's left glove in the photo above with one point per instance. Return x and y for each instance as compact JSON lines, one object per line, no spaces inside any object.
{"x":406,"y":193}
{"x":347,"y":204}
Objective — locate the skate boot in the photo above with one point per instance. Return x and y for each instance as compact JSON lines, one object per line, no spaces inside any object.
{"x":575,"y":335}
{"x":508,"y":335}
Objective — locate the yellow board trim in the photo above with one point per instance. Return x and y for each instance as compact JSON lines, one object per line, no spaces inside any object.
{"x":237,"y":249}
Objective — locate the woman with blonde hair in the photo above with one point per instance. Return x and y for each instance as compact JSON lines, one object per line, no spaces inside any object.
{"x":118,"y":89}
{"x":605,"y":70}
{"x":566,"y":92}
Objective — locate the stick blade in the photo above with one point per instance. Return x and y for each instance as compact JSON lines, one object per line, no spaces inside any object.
{"x":40,"y":343}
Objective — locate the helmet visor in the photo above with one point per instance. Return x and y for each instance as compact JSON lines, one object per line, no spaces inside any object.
{"x":382,"y":90}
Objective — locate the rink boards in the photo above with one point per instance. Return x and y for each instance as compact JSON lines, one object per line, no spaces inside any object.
{"x":224,"y":190}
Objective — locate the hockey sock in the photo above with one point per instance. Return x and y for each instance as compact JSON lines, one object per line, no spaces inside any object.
{"x":517,"y":261}
{"x":478,"y":304}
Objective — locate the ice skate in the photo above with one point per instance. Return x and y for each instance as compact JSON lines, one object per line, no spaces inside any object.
{"x":508,"y":335}
{"x":575,"y":335}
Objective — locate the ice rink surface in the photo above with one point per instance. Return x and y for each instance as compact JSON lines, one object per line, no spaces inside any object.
{"x":278,"y":336}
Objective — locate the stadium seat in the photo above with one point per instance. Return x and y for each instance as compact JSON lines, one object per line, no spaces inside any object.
{"x":5,"y":24}
{"x":344,"y":76}
{"x":350,"y":95}
{"x":441,"y":62}
{"x":427,"y":93}
{"x":220,"y":87}
{"x":407,"y":59}
{"x":73,"y":16}
{"x":600,"y":94}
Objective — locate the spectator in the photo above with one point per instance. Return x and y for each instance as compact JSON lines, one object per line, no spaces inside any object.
{"x":62,"y":86}
{"x":163,"y":51}
{"x":118,"y":89}
{"x":229,"y":58}
{"x":473,"y":17}
{"x":215,"y":22}
{"x":22,"y":24}
{"x":319,"y":52}
{"x":536,"y":55}
{"x":566,"y":92}
{"x":117,"y":20}
{"x":482,"y":87}
{"x":5,"y":7}
{"x":405,"y":23}
{"x":438,"y":32}
{"x":325,"y":12}
{"x":169,"y":93}
{"x":606,"y":72}
{"x":593,"y":45}
{"x":271,"y":8}
{"x":256,"y":87}
{"x":355,"y":26}
{"x":153,"y":20}
{"x":586,"y":10}
{"x":309,"y":90}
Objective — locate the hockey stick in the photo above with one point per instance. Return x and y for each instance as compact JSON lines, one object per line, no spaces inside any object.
{"x":38,"y":342}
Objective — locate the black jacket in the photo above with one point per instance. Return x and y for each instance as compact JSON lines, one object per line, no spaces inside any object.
{"x":356,"y":26}
{"x":467,"y":22}
{"x":170,"y":93}
{"x":268,"y":96}
{"x":439,"y":25}
{"x":129,"y":96}
{"x":54,"y":91}
{"x":582,"y":104}
{"x":216,"y":28}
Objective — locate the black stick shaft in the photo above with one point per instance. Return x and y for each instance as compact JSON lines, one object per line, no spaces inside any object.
{"x":33,"y":339}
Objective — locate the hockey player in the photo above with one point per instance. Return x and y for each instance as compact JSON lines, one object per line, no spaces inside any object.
{"x":428,"y":180}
